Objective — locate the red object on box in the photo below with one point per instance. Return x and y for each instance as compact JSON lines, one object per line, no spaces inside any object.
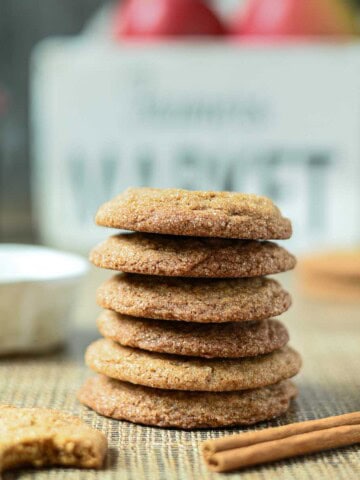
{"x":164,"y":18}
{"x":294,"y":18}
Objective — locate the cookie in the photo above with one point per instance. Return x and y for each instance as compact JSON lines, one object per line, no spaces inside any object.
{"x":205,"y":214}
{"x":160,"y":370}
{"x":229,"y":340}
{"x":191,"y":256}
{"x":193,"y":299}
{"x":40,"y":437}
{"x":169,"y":408}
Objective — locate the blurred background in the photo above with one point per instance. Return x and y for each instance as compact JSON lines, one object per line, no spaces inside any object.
{"x":257,"y":96}
{"x":91,"y":102}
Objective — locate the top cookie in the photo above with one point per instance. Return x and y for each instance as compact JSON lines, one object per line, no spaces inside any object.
{"x":175,"y":256}
{"x":195,"y":213}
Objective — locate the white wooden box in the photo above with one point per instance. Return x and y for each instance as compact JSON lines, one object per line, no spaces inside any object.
{"x":283,"y":121}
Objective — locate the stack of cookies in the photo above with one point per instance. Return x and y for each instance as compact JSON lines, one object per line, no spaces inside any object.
{"x":189,"y":339}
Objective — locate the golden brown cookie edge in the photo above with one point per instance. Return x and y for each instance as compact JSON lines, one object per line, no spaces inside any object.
{"x":185,"y":410}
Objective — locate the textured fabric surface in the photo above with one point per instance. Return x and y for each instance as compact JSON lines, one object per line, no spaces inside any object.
{"x":329,"y":384}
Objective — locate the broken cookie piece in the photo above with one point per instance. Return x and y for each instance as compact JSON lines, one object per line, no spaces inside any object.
{"x":41,"y":437}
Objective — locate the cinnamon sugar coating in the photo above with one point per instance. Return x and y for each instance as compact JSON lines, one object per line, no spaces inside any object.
{"x":192,"y":299}
{"x":175,"y":372}
{"x":226,"y":340}
{"x":167,"y":255}
{"x":195,"y":213}
{"x":171,"y":408}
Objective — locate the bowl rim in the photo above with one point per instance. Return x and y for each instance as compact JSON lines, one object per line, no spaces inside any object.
{"x":79,"y":264}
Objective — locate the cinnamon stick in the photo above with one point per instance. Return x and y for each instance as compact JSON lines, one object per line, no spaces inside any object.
{"x":249,"y":438}
{"x":253,"y":448}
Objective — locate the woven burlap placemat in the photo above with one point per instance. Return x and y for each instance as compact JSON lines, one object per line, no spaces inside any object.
{"x":328,"y":385}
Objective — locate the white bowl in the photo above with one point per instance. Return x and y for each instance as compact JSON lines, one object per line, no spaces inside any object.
{"x":37,"y":288}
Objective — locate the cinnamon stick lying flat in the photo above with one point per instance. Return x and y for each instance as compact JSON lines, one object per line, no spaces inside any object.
{"x":252,"y":448}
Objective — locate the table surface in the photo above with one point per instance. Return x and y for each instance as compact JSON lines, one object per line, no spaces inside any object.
{"x":327,"y":335}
